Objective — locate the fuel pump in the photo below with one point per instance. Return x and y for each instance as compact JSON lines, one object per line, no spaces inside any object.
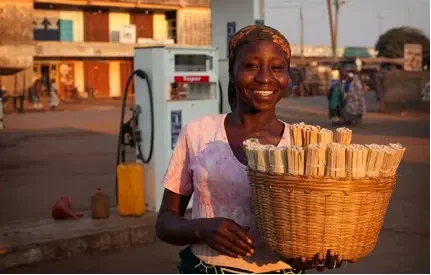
{"x":173,"y":85}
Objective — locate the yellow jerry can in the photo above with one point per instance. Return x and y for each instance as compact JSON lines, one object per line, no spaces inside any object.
{"x":130,"y":181}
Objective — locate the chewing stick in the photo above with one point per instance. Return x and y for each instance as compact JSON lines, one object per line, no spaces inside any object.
{"x":325,"y":136}
{"x":349,"y":161}
{"x":251,"y":142}
{"x":343,"y":136}
{"x":336,"y":163}
{"x":296,"y":133}
{"x":278,"y":160}
{"x":301,"y":162}
{"x":388,"y":161}
{"x":250,"y":153}
{"x":328,"y":162}
{"x":262,"y":152}
{"x":249,"y":146}
{"x":363,"y":161}
{"x":315,"y":160}
{"x":399,"y":155}
{"x":290,"y":160}
{"x":341,"y":163}
{"x":308,"y":158}
{"x":322,"y":158}
{"x":371,"y":159}
{"x":295,"y":160}
{"x":374,"y":160}
{"x":310,"y":135}
{"x":355,"y":164}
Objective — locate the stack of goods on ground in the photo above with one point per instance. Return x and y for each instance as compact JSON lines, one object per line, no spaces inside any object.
{"x":322,"y":192}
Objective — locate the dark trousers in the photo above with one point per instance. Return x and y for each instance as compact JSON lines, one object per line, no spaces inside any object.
{"x":18,"y":100}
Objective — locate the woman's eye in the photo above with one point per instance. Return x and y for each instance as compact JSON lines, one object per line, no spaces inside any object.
{"x":251,"y":66}
{"x":278,"y":68}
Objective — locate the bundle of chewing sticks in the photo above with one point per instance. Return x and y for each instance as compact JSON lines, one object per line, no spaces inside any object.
{"x":319,"y":152}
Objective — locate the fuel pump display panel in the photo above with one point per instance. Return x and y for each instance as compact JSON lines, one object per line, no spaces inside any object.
{"x":192,"y":91}
{"x":193,"y":63}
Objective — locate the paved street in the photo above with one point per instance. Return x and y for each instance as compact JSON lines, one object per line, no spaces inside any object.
{"x":46,"y":155}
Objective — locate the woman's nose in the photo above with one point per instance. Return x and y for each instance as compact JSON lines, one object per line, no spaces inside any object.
{"x":263,"y":75}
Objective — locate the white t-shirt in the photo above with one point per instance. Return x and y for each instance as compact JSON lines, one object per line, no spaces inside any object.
{"x":204,"y":164}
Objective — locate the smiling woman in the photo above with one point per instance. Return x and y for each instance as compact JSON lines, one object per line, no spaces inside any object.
{"x":209,"y":162}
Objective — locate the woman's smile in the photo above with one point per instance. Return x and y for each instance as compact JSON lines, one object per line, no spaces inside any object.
{"x":260,"y":96}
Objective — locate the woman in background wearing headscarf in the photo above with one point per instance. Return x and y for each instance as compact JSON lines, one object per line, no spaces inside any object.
{"x":208,"y":161}
{"x":355,"y":103}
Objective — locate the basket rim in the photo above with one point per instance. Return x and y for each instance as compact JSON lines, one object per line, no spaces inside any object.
{"x":328,"y":184}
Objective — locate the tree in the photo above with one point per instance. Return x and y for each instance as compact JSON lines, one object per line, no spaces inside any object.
{"x":391,"y":43}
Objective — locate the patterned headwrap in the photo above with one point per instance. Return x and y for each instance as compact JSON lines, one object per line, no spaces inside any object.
{"x":249,"y":34}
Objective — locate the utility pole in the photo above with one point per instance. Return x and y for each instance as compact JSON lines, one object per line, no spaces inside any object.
{"x":408,"y":15}
{"x":331,"y":28}
{"x":301,"y":18}
{"x":337,"y":9}
{"x":379,"y":18}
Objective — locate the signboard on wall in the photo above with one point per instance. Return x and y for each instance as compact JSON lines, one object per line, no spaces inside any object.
{"x":176,"y":125}
{"x":413,"y":54}
{"x":128,"y":34}
{"x":231,"y":30}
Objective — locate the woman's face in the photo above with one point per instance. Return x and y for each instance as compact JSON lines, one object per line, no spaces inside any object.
{"x":261,"y":74}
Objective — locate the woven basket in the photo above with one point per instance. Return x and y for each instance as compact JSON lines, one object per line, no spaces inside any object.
{"x":299,"y":216}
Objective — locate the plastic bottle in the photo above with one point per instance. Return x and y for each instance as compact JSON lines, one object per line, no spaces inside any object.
{"x":100,"y":206}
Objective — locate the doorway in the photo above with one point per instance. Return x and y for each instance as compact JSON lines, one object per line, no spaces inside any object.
{"x":44,"y":79}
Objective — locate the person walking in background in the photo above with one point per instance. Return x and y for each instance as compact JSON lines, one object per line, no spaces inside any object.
{"x":348,"y":82}
{"x":35,"y":94}
{"x":54,"y":100}
{"x":355,"y":103}
{"x":335,"y":99}
{"x":379,"y":89}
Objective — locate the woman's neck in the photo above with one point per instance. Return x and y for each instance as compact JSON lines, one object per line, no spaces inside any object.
{"x":254,"y":121}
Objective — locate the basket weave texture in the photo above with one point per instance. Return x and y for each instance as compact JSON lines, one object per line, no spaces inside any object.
{"x":299,"y":216}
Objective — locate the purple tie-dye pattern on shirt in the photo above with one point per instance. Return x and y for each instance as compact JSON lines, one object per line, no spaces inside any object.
{"x":204,"y":165}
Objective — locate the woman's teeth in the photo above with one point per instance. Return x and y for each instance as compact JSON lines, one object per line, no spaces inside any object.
{"x":264,"y":93}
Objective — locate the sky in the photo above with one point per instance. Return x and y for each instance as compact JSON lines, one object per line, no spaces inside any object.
{"x":359,"y":23}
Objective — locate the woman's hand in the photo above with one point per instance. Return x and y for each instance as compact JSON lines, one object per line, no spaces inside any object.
{"x":331,"y":261}
{"x":226,"y":236}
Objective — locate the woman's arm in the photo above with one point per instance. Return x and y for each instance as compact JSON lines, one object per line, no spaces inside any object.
{"x":219,"y":233}
{"x":222,"y":234}
{"x":171,"y":226}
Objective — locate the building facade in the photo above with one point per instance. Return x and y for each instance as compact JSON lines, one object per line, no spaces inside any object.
{"x":88,"y":44}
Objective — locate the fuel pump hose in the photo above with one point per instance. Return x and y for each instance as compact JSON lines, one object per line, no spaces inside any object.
{"x":220,"y":106}
{"x":143,"y":75}
{"x":135,"y":140}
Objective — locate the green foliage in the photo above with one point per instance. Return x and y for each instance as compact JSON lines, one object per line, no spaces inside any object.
{"x":391,"y":43}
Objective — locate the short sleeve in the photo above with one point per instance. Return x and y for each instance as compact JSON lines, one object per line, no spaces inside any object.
{"x":178,"y":177}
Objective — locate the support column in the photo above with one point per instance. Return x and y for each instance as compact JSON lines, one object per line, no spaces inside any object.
{"x":238,"y":14}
